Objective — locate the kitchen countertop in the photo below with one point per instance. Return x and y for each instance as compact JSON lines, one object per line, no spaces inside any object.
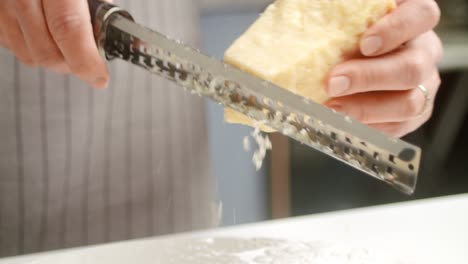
{"x":425,"y":231}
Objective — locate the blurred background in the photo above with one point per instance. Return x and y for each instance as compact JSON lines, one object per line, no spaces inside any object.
{"x":302,"y":181}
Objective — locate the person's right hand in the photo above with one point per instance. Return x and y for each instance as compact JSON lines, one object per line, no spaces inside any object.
{"x":55,"y":34}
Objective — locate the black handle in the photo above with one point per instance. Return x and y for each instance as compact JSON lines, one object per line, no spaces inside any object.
{"x":101,"y":10}
{"x":101,"y":13}
{"x":93,"y":7}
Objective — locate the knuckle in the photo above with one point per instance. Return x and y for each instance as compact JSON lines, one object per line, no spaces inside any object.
{"x":436,"y":79}
{"x":48,"y":59}
{"x":430,"y":10}
{"x":392,"y":129}
{"x":80,"y":69}
{"x":61,"y":68}
{"x":368,"y":79}
{"x":414,"y":68}
{"x":395,"y":130}
{"x":4,"y":43}
{"x":361,"y":113}
{"x":362,"y":77}
{"x":26,"y":61}
{"x":13,"y":37}
{"x":24,"y":56}
{"x":23,"y":6}
{"x":438,"y":47}
{"x":428,"y":116}
{"x":63,"y":25}
{"x":413,"y":104}
{"x":400,"y":131}
{"x":397,"y":23}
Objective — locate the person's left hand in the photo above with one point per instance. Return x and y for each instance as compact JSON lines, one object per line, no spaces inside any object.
{"x":401,"y":52}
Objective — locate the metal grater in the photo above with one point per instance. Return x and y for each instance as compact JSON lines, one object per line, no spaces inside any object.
{"x":388,"y":159}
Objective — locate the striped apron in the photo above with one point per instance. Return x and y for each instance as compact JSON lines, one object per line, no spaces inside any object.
{"x":80,"y":166}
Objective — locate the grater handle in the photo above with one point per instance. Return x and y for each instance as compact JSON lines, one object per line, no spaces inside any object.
{"x":101,"y":13}
{"x":93,"y":7}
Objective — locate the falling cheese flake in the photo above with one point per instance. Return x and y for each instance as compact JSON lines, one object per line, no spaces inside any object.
{"x":246,"y":144}
{"x":263,"y":143}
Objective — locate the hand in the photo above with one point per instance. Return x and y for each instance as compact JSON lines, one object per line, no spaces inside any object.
{"x":55,"y":34}
{"x":400,"y":52}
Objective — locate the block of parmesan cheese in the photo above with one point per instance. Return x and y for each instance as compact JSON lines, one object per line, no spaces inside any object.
{"x":295,"y":43}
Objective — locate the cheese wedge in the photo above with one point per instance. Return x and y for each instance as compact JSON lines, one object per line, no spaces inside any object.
{"x":295,"y":44}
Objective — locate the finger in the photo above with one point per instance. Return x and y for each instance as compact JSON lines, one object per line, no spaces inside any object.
{"x":61,"y":68}
{"x":41,"y":46}
{"x":3,"y":41}
{"x":69,"y":23}
{"x":12,"y":36}
{"x":403,"y":128}
{"x":15,"y":39}
{"x":385,"y":107}
{"x":381,"y":107}
{"x":431,"y":43}
{"x":401,"y":70}
{"x":408,"y":20}
{"x":3,"y":38}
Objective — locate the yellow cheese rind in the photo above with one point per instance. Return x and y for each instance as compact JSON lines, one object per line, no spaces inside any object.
{"x":296,"y":43}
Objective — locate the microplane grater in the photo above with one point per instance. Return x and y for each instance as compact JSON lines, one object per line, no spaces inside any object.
{"x":388,"y":159}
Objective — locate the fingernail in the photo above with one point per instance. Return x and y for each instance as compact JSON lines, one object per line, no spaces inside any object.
{"x":101,"y":82}
{"x":338,"y":85}
{"x":371,"y":45}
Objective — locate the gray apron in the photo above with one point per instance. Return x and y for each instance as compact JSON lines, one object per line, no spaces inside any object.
{"x":80,"y":166}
